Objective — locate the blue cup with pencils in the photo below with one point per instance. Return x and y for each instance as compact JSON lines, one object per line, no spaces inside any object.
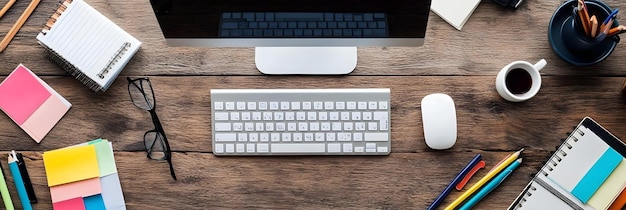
{"x":584,"y":32}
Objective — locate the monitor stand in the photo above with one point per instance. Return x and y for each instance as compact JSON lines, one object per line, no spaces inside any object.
{"x":305,"y":60}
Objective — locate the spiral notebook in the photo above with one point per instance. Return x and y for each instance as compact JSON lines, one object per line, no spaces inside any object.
{"x":587,"y":171}
{"x":87,"y":44}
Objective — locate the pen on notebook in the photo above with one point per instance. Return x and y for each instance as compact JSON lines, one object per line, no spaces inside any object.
{"x":4,"y":190}
{"x":19,"y":183}
{"x":456,"y":180}
{"x":509,"y":159}
{"x":26,"y":178}
{"x":491,"y":185}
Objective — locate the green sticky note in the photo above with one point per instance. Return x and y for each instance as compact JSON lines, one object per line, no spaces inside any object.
{"x":106,"y":161}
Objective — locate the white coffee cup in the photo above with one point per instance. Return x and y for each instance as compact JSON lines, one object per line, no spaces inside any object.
{"x":520,"y":80}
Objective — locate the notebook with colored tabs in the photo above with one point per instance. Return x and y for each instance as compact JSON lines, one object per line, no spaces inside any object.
{"x":587,"y":171}
{"x":31,"y":103}
{"x":84,"y":176}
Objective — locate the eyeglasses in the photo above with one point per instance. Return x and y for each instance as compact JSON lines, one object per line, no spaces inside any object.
{"x":157,"y":147}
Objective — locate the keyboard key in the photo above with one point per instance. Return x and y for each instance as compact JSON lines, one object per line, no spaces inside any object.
{"x":230,"y":148}
{"x":262,"y":148}
{"x":250,"y":148}
{"x":221,"y":137}
{"x":376,"y":137}
{"x":334,"y":148}
{"x":219,"y":148}
{"x":298,"y":148}
{"x":347,"y":147}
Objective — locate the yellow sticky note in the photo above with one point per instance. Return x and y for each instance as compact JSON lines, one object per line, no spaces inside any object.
{"x":610,"y":189}
{"x":71,"y":164}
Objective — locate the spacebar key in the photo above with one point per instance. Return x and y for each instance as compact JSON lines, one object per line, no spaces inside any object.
{"x":298,"y":148}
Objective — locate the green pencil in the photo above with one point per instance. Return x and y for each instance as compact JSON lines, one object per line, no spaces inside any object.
{"x":6,"y":197}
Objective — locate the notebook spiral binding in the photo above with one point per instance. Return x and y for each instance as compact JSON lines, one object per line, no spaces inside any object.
{"x":67,"y":66}
{"x":61,"y":6}
{"x":561,"y":152}
{"x":114,"y":59}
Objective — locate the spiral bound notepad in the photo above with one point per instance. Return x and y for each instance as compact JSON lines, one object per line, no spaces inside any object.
{"x":87,"y":44}
{"x":587,"y":171}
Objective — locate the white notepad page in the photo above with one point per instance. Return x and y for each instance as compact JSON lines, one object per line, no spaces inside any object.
{"x":90,"y":41}
{"x":579,"y":159}
{"x":455,"y":12}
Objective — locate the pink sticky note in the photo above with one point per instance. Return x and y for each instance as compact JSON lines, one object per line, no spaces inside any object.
{"x":72,"y":204}
{"x":43,"y":119}
{"x":22,"y":94}
{"x":78,"y":189}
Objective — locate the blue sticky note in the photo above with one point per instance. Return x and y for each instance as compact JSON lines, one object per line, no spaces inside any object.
{"x":596,"y":175}
{"x":94,"y":202}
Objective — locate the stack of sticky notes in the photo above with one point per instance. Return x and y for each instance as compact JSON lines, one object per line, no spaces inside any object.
{"x":455,"y":12}
{"x":31,"y":103}
{"x":84,"y":176}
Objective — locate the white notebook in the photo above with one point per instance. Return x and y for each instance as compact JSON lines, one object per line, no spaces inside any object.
{"x":587,"y":171}
{"x":87,"y":44}
{"x":455,"y":12}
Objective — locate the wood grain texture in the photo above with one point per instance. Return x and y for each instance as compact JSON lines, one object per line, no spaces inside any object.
{"x":462,"y":64}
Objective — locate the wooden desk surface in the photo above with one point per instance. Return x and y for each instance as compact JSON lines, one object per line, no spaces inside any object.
{"x":462,"y":64}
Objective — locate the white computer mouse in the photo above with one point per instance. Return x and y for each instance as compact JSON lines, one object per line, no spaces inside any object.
{"x":439,"y":121}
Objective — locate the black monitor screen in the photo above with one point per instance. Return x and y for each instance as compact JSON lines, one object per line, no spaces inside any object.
{"x":292,"y":18}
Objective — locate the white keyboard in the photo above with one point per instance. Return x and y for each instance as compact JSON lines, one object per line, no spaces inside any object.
{"x":301,"y":121}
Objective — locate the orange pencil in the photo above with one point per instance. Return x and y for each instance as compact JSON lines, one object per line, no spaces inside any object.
{"x":584,"y":17}
{"x":616,"y":30}
{"x":17,"y":25}
{"x":6,"y":7}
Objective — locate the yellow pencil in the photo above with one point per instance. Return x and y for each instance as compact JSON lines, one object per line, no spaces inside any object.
{"x":484,"y":180}
{"x":584,"y":17}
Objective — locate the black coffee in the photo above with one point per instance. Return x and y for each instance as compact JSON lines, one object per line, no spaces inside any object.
{"x":518,"y":81}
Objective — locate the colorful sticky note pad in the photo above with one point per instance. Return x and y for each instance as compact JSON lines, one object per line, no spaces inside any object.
{"x":71,"y":164}
{"x":87,"y":173}
{"x":31,"y":103}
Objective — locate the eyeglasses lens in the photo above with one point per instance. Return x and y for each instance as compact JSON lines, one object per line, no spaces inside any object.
{"x":154,"y":145}
{"x":142,"y":99}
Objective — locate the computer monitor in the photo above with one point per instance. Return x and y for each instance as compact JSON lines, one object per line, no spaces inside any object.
{"x":295,"y":36}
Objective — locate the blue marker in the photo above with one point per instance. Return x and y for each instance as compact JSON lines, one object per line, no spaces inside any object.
{"x":455,"y":181}
{"x":611,"y":17}
{"x":19,"y":183}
